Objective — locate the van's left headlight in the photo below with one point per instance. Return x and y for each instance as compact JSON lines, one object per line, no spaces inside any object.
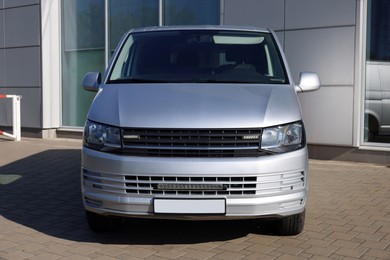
{"x":283,"y":138}
{"x":101,"y":137}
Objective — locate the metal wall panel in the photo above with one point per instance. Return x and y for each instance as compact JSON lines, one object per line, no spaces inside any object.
{"x":31,"y":114}
{"x":260,"y":13}
{"x":23,"y":67}
{"x":2,"y":68}
{"x":328,"y":115}
{"x":22,"y":26}
{"x":280,"y":36}
{"x":330,"y":52}
{"x":17,"y":3}
{"x":319,"y":13}
{"x":20,"y":60}
{"x":1,"y":28}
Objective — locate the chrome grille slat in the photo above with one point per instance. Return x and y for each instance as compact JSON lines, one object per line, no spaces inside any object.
{"x":107,"y":179}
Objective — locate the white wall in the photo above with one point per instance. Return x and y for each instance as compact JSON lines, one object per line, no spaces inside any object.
{"x":51,"y":63}
{"x":319,"y":36}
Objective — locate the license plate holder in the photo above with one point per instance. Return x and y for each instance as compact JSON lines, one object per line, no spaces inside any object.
{"x":190,"y":206}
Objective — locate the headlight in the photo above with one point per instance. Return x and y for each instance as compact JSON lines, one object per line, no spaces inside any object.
{"x":283,"y":138}
{"x":101,"y":137}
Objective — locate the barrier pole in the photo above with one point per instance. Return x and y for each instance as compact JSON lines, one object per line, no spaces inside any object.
{"x":16,"y":126}
{"x":16,"y":117}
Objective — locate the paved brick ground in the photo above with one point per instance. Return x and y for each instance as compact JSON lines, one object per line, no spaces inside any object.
{"x":41,"y":216}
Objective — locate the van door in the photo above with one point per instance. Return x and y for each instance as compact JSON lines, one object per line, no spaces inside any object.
{"x":384,"y":74}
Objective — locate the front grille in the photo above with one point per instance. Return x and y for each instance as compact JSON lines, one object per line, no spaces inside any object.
{"x":137,"y":185}
{"x":192,"y":142}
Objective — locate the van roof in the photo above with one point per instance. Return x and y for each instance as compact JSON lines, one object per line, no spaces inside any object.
{"x":200,"y":27}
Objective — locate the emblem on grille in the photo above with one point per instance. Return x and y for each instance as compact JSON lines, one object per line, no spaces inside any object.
{"x":169,"y":186}
{"x":132,"y":137}
{"x":250,"y":137}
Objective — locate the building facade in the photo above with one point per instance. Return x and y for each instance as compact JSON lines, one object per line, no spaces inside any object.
{"x":46,"y":46}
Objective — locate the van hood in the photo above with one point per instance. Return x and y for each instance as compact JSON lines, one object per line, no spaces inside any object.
{"x":220,"y":106}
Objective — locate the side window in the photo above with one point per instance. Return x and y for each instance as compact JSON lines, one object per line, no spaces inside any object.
{"x":122,"y":67}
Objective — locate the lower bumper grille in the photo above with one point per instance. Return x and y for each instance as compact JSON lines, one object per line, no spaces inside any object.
{"x":191,"y":185}
{"x":195,"y":185}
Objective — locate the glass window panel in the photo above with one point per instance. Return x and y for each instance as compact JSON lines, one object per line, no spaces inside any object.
{"x":377,"y":99}
{"x":129,"y":14}
{"x":378,"y":31}
{"x":83,"y":51}
{"x":83,"y":23}
{"x":191,"y":12}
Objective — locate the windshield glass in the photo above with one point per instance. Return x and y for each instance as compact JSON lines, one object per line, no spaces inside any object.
{"x":198,"y":56}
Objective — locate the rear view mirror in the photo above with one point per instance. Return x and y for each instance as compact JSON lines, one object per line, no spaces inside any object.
{"x":92,"y":81}
{"x":308,"y":81}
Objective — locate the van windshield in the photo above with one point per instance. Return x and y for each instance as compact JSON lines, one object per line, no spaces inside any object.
{"x":189,"y":56}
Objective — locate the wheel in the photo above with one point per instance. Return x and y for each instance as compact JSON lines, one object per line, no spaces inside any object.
{"x":371,"y":129}
{"x":100,"y":223}
{"x":291,"y":225}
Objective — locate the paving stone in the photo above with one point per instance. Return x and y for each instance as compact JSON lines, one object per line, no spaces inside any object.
{"x":7,"y":244}
{"x":257,"y":256}
{"x":199,"y":255}
{"x":170,"y":254}
{"x":289,"y":257}
{"x":381,"y":245}
{"x":140,"y":252}
{"x":290,"y":250}
{"x":45,"y":256}
{"x":345,"y":244}
{"x":229,"y":256}
{"x":321,"y":251}
{"x":381,"y":254}
{"x":261,"y":249}
{"x":76,"y":257}
{"x":291,"y":241}
{"x":319,"y":242}
{"x":18,"y":255}
{"x":129,"y":257}
{"x":232,"y":247}
{"x":354,"y":253}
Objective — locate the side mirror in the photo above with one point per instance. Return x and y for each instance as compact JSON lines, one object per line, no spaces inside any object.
{"x":92,"y":81}
{"x":308,"y":81}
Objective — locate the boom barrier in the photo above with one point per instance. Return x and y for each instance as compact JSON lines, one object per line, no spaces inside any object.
{"x":16,"y":133}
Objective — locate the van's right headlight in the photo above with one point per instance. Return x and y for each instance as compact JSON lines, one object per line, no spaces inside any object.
{"x":101,"y":137}
{"x":283,"y":138}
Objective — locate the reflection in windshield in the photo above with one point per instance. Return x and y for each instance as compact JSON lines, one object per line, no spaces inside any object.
{"x":198,"y":57}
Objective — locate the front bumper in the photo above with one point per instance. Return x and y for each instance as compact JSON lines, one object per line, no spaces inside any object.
{"x":269,"y":186}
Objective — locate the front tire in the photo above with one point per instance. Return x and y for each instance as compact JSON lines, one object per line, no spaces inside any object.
{"x":291,"y":225}
{"x":100,"y":223}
